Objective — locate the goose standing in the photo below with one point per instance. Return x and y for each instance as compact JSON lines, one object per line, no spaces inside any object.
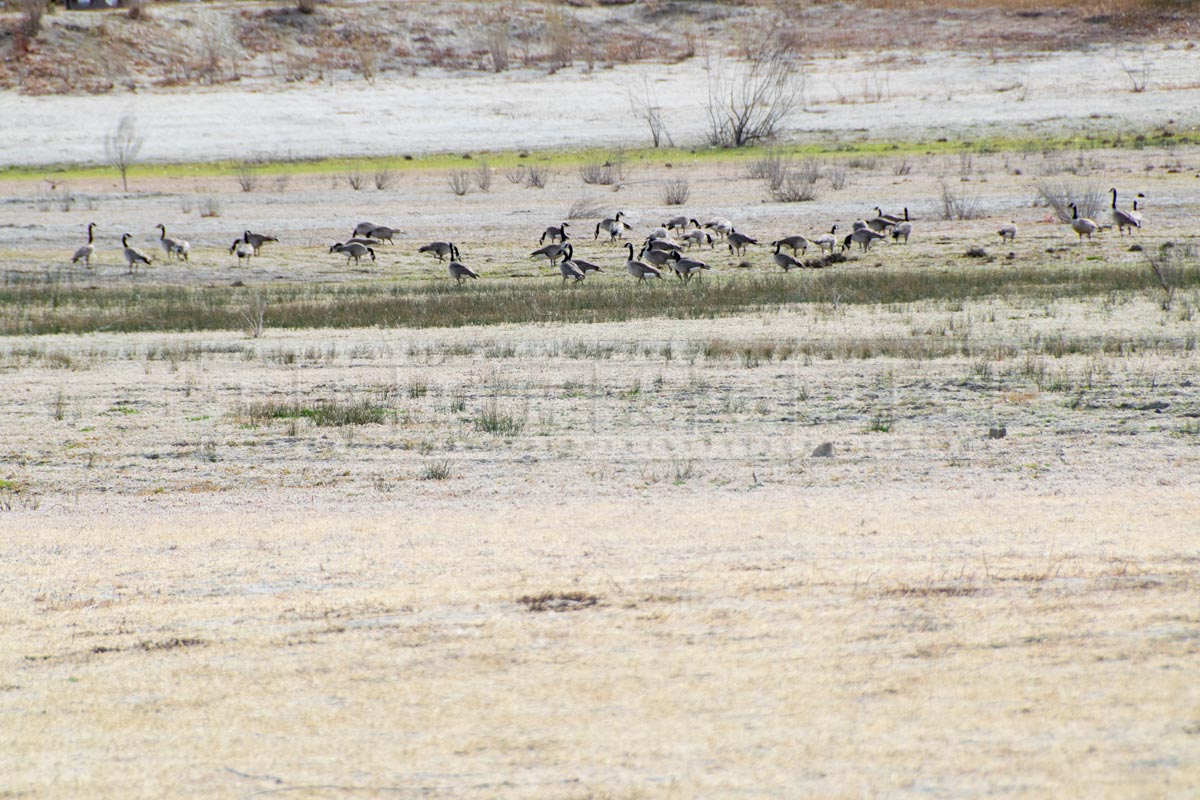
{"x":1008,"y":233}
{"x":739,"y":241}
{"x":1124,"y":219}
{"x":177,"y":248}
{"x":889,"y":217}
{"x":863,"y":237}
{"x":698,"y":236}
{"x":551,"y":251}
{"x":381,"y":232}
{"x":796,"y":242}
{"x":86,"y":251}
{"x":680,"y":222}
{"x":658,"y":258}
{"x":257,"y":240}
{"x":460,"y":271}
{"x":639,"y":269}
{"x":353,"y":250}
{"x":363,"y":228}
{"x":784,"y":260}
{"x":569,"y":269}
{"x":438,"y":250}
{"x":132,"y":255}
{"x":902,"y":228}
{"x":879,"y":224}
{"x":685,"y":268}
{"x":827,"y":240}
{"x":242,"y":250}
{"x":1082,"y":225}
{"x":721,"y":226}
{"x":613,"y":226}
{"x":555,"y":233}
{"x":663,"y":244}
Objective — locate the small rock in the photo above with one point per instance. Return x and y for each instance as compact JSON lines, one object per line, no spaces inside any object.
{"x":997,"y":433}
{"x":976,"y":252}
{"x":1137,"y":248}
{"x":823,"y":450}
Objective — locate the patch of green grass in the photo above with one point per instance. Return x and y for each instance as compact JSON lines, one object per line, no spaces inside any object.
{"x":324,"y":413}
{"x":492,"y":419}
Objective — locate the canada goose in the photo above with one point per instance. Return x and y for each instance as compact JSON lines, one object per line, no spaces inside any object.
{"x":613,"y":226}
{"x":902,"y":228}
{"x":381,"y":232}
{"x":367,"y":240}
{"x":659,"y":233}
{"x":1008,"y":233}
{"x":438,"y":249}
{"x":859,"y":224}
{"x":889,"y":217}
{"x":1135,"y":213}
{"x":827,"y":240}
{"x":568,"y":268}
{"x":584,"y":266}
{"x":353,"y":250}
{"x":459,"y":271}
{"x":658,"y":258}
{"x":685,"y":268}
{"x":363,"y":228}
{"x":551,"y":251}
{"x":739,"y":241}
{"x":720,"y":226}
{"x":177,"y":248}
{"x":1082,"y":225}
{"x":257,"y":240}
{"x":679,"y":222}
{"x":698,"y":236}
{"x":639,"y":269}
{"x":1124,"y":219}
{"x":796,"y":242}
{"x":86,"y":251}
{"x":862,"y":237}
{"x":784,"y":260}
{"x":242,"y":249}
{"x":879,"y":224}
{"x":133,"y":255}
{"x":555,"y":232}
{"x":663,"y":244}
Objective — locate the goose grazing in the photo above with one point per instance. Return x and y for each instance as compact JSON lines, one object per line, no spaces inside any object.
{"x":784,"y":260}
{"x":739,"y":241}
{"x":827,"y":240}
{"x":569,"y":269}
{"x":353,"y":250}
{"x":796,"y":242}
{"x":679,"y":223}
{"x":133,"y":256}
{"x":242,"y":250}
{"x":460,"y":271}
{"x":879,"y":224}
{"x":174,"y":248}
{"x":257,"y":240}
{"x":902,"y":228}
{"x":698,"y":236}
{"x":584,"y":266}
{"x":551,"y":251}
{"x":663,"y":244}
{"x":658,"y":258}
{"x":720,"y":226}
{"x":1082,"y":225}
{"x":381,"y":232}
{"x":685,"y":268}
{"x":1008,"y":233}
{"x":1124,"y":219}
{"x":639,"y":269}
{"x":363,"y":228}
{"x":438,"y":250}
{"x":86,"y":251}
{"x":889,"y":217}
{"x":613,"y":226}
{"x":367,"y":240}
{"x":555,"y":233}
{"x":863,"y":237}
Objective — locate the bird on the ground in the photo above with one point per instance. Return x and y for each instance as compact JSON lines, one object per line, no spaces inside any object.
{"x":242,"y":250}
{"x":639,"y":269}
{"x":133,"y":256}
{"x":863,"y":237}
{"x":784,"y":260}
{"x":438,"y":250}
{"x":827,"y":241}
{"x":174,"y":248}
{"x":257,"y":240}
{"x":353,"y":250}
{"x":460,"y":271}
{"x":551,"y":251}
{"x":796,"y":242}
{"x":685,"y":268}
{"x":1082,"y":225}
{"x":739,"y":241}
{"x":1008,"y":233}
{"x":1124,"y":219}
{"x":615,"y":227}
{"x":85,"y":252}
{"x":555,"y":233}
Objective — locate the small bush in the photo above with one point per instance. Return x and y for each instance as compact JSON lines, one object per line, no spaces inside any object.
{"x":437,"y":471}
{"x":247,"y":177}
{"x":493,"y":420}
{"x":383,"y":178}
{"x":608,"y":173}
{"x":537,"y":176}
{"x":483,"y":177}
{"x":559,"y":601}
{"x":210,"y":206}
{"x":354,"y":178}
{"x":460,"y":181}
{"x":584,"y":208}
{"x":675,"y":192}
{"x":961,"y":204}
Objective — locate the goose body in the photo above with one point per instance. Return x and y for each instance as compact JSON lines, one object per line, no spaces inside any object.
{"x":551,"y":251}
{"x":257,"y":240}
{"x":685,"y":268}
{"x":174,"y":248}
{"x":381,"y":232}
{"x":663,"y":244}
{"x":889,"y":217}
{"x":363,"y":228}
{"x":1082,"y":225}
{"x":133,"y":256}
{"x":242,"y":250}
{"x":902,"y":228}
{"x":353,"y":250}
{"x":795,"y":243}
{"x":458,"y":270}
{"x":827,"y":241}
{"x":739,"y":241}
{"x":555,"y":233}
{"x":658,"y":258}
{"x":879,"y":224}
{"x":639,"y":269}
{"x":721,"y":226}
{"x":1008,"y":233}
{"x":863,"y":237}
{"x":698,"y":236}
{"x":783,"y":259}
{"x":613,"y":226}
{"x":569,"y":269}
{"x":87,"y":250}
{"x":679,"y":223}
{"x":1124,"y":219}
{"x":438,"y":250}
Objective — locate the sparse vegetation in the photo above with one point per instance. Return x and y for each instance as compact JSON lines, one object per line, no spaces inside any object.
{"x":675,"y":192}
{"x":122,"y":146}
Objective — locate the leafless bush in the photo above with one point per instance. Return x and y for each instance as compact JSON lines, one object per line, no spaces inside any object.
{"x":354,"y":178}
{"x":646,"y":108}
{"x":384,"y":178}
{"x":483,"y":176}
{"x":584,"y":208}
{"x":32,"y":11}
{"x":536,"y":176}
{"x":460,"y":181}
{"x":902,"y":167}
{"x":772,"y":164}
{"x":138,"y":9}
{"x":185,"y":204}
{"x":123,"y":145}
{"x":214,"y":47}
{"x":960,"y":203}
{"x":675,"y":192}
{"x":516,"y":174}
{"x":498,"y":37}
{"x":210,"y":206}
{"x":247,"y":177}
{"x":796,"y":187}
{"x":748,"y":100}
{"x":55,"y":194}
{"x":1138,"y":72}
{"x":608,"y":173}
{"x":837,"y":175}
{"x":254,"y":317}
{"x":808,"y":170}
{"x":1059,"y":195}
{"x":1168,"y":266}
{"x":866,"y":163}
{"x":306,"y":6}
{"x":281,"y":182}
{"x":560,"y":37}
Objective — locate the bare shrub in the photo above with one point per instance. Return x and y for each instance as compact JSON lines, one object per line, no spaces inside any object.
{"x":646,"y":108}
{"x":560,"y":37}
{"x":498,"y":37}
{"x":1138,"y":71}
{"x":123,"y":145}
{"x":772,"y":164}
{"x":796,"y":187}
{"x":809,"y":170}
{"x":384,"y":178}
{"x":961,"y":203}
{"x":254,"y":317}
{"x":306,"y":6}
{"x":214,"y":48}
{"x":748,"y":100}
{"x":210,"y":206}
{"x":460,"y":181}
{"x":537,"y":176}
{"x":865,"y":163}
{"x":675,"y":192}
{"x":354,"y":178}
{"x":1059,"y":195}
{"x":584,"y":208}
{"x":902,"y":168}
{"x":1169,"y":265}
{"x":516,"y":174}
{"x":483,"y":176}
{"x":31,"y":11}
{"x":608,"y":173}
{"x":247,"y":177}
{"x":185,"y":204}
{"x":837,"y":175}
{"x":138,"y":9}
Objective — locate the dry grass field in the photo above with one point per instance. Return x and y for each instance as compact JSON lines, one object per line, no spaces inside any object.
{"x":919,"y":523}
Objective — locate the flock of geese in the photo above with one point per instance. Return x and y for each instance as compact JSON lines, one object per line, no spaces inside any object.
{"x":660,"y":252}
